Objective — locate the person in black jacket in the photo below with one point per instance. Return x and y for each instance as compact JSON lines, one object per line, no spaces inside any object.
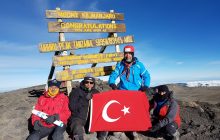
{"x":79,"y":102}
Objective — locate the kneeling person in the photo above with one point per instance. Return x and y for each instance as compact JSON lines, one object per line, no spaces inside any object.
{"x":166,"y":117}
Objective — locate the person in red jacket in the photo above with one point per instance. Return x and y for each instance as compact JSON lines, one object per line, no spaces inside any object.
{"x":55,"y":104}
{"x":166,"y":118}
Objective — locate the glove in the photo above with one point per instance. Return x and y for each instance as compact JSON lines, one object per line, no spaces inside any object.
{"x":143,"y":88}
{"x":37,"y":125}
{"x":51,"y":118}
{"x":113,"y":86}
{"x":155,"y":128}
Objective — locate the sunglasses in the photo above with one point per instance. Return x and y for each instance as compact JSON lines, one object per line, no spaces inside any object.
{"x":86,"y":82}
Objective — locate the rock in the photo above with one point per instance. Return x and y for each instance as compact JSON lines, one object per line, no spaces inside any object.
{"x":200,"y":120}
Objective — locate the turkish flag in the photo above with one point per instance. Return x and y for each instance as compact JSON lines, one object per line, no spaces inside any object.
{"x":119,"y":110}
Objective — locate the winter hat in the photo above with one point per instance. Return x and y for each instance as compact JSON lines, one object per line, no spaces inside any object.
{"x":54,"y":82}
{"x":129,"y":48}
{"x":163,"y":88}
{"x":89,"y":76}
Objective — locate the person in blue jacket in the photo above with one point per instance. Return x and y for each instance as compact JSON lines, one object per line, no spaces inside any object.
{"x":133,"y":74}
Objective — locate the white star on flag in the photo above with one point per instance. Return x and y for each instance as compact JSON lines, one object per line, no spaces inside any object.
{"x":125,"y":110}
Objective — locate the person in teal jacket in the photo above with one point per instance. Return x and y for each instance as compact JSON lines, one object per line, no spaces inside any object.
{"x":133,"y":74}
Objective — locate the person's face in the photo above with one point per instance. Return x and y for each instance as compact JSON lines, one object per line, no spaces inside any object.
{"x":89,"y":84}
{"x":162,"y":93}
{"x":53,"y":91}
{"x":128,"y":56}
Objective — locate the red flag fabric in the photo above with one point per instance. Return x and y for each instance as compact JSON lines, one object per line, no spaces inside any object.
{"x":119,"y":110}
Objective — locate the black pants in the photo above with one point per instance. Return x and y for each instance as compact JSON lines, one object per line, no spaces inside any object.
{"x":79,"y":129}
{"x":56,"y":133}
{"x":169,"y":129}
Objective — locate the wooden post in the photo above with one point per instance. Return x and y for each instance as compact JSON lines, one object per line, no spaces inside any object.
{"x":61,"y":38}
{"x":117,"y":49}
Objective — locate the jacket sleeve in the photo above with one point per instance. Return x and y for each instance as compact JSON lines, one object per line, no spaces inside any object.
{"x":114,"y":75}
{"x":151,"y":104}
{"x":65,"y":112}
{"x":145,"y":75}
{"x":171,"y":114}
{"x":37,"y":107}
{"x":73,"y":100}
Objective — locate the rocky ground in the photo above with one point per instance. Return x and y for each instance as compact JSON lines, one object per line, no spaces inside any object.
{"x":200,"y":112}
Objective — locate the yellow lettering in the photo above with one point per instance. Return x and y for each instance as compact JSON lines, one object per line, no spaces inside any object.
{"x":67,"y":14}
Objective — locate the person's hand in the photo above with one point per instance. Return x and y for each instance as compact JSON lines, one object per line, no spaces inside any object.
{"x":89,"y":96}
{"x":113,"y":86}
{"x":37,"y":125}
{"x":51,"y":118}
{"x":143,"y":88}
{"x":155,"y":128}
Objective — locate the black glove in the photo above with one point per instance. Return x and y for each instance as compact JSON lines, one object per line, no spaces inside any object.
{"x":113,"y":86}
{"x":143,"y":88}
{"x":37,"y":125}
{"x":155,"y":128}
{"x":51,"y":118}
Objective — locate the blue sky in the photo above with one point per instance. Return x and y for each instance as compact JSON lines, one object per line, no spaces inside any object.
{"x":177,"y":40}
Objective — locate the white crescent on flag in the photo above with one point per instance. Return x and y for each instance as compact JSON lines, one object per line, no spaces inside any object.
{"x":119,"y":110}
{"x":104,"y":112}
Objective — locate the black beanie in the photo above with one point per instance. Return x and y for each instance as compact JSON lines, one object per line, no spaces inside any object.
{"x":54,"y":82}
{"x":163,"y":88}
{"x":89,"y":77}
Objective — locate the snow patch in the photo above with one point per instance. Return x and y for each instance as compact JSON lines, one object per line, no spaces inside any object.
{"x":203,"y":83}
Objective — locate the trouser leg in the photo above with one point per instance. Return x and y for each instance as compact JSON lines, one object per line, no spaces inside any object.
{"x":102,"y":135}
{"x":78,"y":129}
{"x":172,"y":130}
{"x":39,"y":134}
{"x":58,"y":133}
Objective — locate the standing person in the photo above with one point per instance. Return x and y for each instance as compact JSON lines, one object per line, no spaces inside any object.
{"x":166,"y":117}
{"x":133,"y":74}
{"x":79,"y":103}
{"x":55,"y":104}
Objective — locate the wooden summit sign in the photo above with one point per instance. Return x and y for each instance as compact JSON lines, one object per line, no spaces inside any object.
{"x":64,"y":50}
{"x":83,"y":15}
{"x":86,"y":59}
{"x":80,"y":44}
{"x":79,"y":74}
{"x":85,"y":27}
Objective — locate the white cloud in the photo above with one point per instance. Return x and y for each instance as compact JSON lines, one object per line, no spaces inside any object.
{"x":179,"y":63}
{"x":214,"y":62}
{"x":11,"y":46}
{"x":23,"y":62}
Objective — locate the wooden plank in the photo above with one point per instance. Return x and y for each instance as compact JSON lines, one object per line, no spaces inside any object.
{"x":85,"y":27}
{"x":80,"y":73}
{"x":83,"y":15}
{"x":86,"y":59}
{"x":80,"y":44}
